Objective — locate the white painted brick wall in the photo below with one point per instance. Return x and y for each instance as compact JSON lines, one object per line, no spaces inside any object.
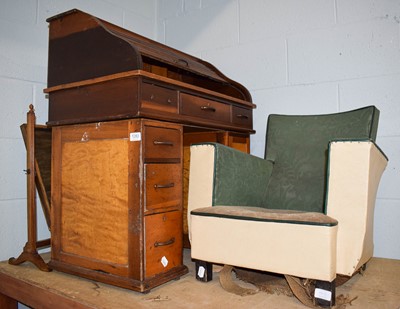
{"x":23,"y":76}
{"x":261,"y":58}
{"x":344,"y":52}
{"x":362,"y":10}
{"x":260,"y":19}
{"x":203,"y":28}
{"x":301,"y":57}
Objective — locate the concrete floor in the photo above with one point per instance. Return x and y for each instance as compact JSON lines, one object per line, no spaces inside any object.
{"x":378,"y":288}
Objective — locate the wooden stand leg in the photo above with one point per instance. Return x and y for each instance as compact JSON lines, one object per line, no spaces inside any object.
{"x":30,"y":249}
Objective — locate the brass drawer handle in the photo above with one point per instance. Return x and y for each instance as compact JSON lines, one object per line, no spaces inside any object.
{"x":242,"y":116}
{"x":168,"y":100}
{"x":164,"y":243}
{"x":163,"y":143}
{"x":208,"y":108}
{"x":166,"y":186}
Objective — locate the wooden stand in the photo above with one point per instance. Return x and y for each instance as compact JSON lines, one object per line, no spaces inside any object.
{"x":30,"y":252}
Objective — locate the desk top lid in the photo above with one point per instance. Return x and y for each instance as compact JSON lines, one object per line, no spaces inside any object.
{"x":82,"y":47}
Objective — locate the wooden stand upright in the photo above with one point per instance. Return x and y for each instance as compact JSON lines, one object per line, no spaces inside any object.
{"x":30,"y":252}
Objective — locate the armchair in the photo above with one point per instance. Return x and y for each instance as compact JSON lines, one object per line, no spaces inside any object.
{"x":305,"y":210}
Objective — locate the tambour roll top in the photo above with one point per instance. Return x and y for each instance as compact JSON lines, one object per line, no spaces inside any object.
{"x":91,"y":47}
{"x":99,"y":72}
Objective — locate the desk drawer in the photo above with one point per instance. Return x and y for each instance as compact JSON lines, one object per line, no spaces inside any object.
{"x":161,"y":143}
{"x":204,"y":108}
{"x":242,"y":116}
{"x":163,"y":185}
{"x":159,"y":98}
{"x":163,"y":242}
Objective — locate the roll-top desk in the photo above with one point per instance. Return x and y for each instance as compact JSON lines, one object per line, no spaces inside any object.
{"x":123,"y":111}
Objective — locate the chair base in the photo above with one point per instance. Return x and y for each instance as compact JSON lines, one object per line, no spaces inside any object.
{"x":210,"y":225}
{"x":204,"y":271}
{"x":325,"y":293}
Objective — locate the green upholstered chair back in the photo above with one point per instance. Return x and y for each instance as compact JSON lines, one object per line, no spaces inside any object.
{"x":298,"y":146}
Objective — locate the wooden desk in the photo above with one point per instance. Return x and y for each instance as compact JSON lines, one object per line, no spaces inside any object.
{"x":123,"y":111}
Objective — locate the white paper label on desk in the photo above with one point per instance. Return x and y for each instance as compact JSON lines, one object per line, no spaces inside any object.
{"x":135,"y":136}
{"x":164,"y":261}
{"x":323,"y":294}
{"x":201,"y":272}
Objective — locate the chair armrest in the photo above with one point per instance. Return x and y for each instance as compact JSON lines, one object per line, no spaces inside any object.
{"x":354,"y":172}
{"x":220,"y":175}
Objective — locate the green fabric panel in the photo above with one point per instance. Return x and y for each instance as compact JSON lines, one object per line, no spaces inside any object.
{"x":299,"y":147}
{"x":239,"y":178}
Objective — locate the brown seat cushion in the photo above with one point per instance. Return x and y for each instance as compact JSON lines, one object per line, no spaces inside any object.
{"x":266,"y":215}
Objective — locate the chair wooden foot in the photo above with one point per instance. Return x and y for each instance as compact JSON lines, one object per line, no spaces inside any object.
{"x":203,"y":271}
{"x":325,"y":293}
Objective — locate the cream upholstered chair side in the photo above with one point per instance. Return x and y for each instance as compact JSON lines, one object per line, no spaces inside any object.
{"x":355,"y":169}
{"x":302,"y":243}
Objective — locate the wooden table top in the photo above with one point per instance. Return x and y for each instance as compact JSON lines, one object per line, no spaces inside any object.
{"x":379,"y":287}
